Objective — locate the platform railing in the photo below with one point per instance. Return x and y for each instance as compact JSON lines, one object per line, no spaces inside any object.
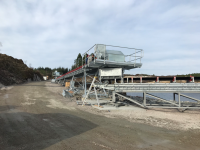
{"x":137,"y":54}
{"x":84,"y":55}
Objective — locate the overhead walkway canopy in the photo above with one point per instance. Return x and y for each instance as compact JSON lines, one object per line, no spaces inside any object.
{"x":106,"y":56}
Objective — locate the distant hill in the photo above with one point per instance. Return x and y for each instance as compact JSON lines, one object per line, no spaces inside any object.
{"x":14,"y":71}
{"x":188,"y":75}
{"x":138,"y":75}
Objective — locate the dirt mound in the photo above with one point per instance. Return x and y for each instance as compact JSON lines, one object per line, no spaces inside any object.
{"x":14,"y":71}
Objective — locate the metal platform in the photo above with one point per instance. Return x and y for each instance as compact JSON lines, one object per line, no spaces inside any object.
{"x":110,"y":64}
{"x":99,"y":63}
{"x":106,"y":59}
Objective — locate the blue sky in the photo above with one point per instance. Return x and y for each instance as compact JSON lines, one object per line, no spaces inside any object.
{"x":51,"y":33}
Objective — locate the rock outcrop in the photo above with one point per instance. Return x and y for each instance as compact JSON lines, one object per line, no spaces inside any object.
{"x":14,"y":71}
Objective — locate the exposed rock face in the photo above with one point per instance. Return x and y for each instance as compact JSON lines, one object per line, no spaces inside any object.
{"x":14,"y":71}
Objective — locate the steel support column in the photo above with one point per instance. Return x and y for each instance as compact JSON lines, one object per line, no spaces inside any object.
{"x":174,"y":97}
{"x":96,"y":95}
{"x":179,"y":99}
{"x":122,"y":80}
{"x":144,"y":98}
{"x":113,"y":97}
{"x":85,"y":81}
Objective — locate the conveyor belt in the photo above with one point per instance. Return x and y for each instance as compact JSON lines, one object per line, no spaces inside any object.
{"x":152,"y":87}
{"x":93,"y":67}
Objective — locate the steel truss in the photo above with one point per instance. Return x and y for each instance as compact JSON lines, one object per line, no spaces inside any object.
{"x":167,"y":104}
{"x":146,"y":89}
{"x":90,"y":91}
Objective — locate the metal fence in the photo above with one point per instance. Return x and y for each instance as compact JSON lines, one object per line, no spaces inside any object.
{"x":113,"y":53}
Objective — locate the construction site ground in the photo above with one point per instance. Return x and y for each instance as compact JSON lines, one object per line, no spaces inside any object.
{"x":35,"y":115}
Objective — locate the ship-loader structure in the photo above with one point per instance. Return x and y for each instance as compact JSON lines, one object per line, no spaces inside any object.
{"x":106,"y":63}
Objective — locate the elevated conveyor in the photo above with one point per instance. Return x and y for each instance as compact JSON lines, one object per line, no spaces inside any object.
{"x":146,"y":89}
{"x":152,"y":87}
{"x":104,"y":58}
{"x":110,"y":64}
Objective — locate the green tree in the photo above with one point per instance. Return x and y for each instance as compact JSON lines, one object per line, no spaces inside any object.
{"x":79,"y":60}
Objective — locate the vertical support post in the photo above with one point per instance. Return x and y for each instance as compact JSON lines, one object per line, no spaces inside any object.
{"x":115,"y":80}
{"x":144,"y":99}
{"x":82,"y":62}
{"x":174,"y":97}
{"x":132,"y":79}
{"x":135,"y":57}
{"x":96,"y":96}
{"x":113,"y":97}
{"x":85,"y":81}
{"x":122,"y":79}
{"x":104,"y":55}
{"x":191,"y":79}
{"x":86,"y":96}
{"x":127,"y":80}
{"x":105,"y":92}
{"x":72,"y":86}
{"x":140,"y":79}
{"x":179,"y":99}
{"x":64,"y":82}
{"x":174,"y":80}
{"x":157,"y":79}
{"x":85,"y":58}
{"x":95,"y":54}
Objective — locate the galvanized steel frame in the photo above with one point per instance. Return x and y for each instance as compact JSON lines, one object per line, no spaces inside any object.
{"x":153,"y":87}
{"x":146,"y":88}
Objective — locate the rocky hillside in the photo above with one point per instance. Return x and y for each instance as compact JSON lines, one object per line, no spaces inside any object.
{"x":14,"y":71}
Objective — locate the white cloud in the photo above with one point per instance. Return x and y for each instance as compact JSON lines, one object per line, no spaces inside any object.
{"x":52,"y":33}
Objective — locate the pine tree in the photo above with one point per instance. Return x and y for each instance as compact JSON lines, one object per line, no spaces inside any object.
{"x":79,"y":60}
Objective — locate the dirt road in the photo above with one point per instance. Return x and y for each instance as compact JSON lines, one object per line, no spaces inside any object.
{"x":33,"y":117}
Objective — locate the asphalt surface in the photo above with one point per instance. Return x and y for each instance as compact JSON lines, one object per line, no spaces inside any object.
{"x":32,"y":117}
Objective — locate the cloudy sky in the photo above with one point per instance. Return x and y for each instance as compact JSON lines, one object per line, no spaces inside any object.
{"x":50,"y":33}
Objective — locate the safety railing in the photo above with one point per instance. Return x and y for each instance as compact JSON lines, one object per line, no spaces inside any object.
{"x":113,"y":53}
{"x":106,"y":54}
{"x":86,"y":55}
{"x":137,"y":55}
{"x":76,"y":69}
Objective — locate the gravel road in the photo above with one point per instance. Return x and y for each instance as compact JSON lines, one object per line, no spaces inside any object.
{"x":33,"y":117}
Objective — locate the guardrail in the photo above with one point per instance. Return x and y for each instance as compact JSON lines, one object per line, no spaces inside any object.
{"x":109,"y":55}
{"x":152,"y":87}
{"x":134,"y":55}
{"x":113,"y":54}
{"x":70,"y":72}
